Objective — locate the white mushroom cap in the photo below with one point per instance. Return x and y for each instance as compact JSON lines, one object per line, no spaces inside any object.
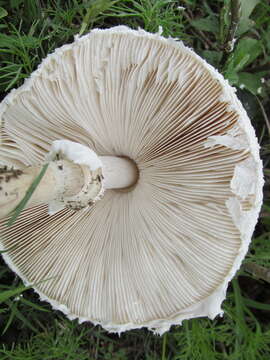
{"x":165,"y":250}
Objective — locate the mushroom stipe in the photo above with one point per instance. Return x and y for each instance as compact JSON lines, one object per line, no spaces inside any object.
{"x":162,"y":157}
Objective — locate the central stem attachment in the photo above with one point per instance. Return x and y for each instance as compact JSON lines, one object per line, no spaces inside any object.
{"x":76,"y":177}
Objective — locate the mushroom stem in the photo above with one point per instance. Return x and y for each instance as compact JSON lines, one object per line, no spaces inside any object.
{"x":63,"y":179}
{"x":15,"y":183}
{"x":118,"y":172}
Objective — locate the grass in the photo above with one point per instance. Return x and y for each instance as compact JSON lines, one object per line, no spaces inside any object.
{"x":234,"y":36}
{"x":19,"y":208}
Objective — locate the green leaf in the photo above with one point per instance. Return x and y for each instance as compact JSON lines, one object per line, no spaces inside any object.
{"x":246,"y":52}
{"x":247,"y":6}
{"x":212,"y":57}
{"x":209,"y":24}
{"x":249,"y":102}
{"x":232,"y":76}
{"x":19,"y":208}
{"x":251,"y":82}
{"x":3,"y":12}
{"x":241,"y":62}
{"x":247,"y":46}
{"x":244,"y":26}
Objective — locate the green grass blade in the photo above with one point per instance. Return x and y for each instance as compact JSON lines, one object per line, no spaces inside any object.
{"x":256,"y":304}
{"x":164,"y":343}
{"x":20,"y":316}
{"x":4,"y":296}
{"x":13,"y":310}
{"x":34,"y":306}
{"x":19,"y":208}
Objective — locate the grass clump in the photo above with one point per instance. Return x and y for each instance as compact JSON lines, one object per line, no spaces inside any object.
{"x":234,"y":36}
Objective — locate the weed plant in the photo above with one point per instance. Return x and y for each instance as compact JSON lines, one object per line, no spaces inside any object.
{"x":234,"y":36}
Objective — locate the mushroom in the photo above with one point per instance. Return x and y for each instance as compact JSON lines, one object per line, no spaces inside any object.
{"x":162,"y":246}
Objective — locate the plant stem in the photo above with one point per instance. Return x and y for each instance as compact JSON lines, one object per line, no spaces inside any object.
{"x":235,"y":12}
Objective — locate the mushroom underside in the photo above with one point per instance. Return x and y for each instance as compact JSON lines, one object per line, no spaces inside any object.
{"x":145,"y":256}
